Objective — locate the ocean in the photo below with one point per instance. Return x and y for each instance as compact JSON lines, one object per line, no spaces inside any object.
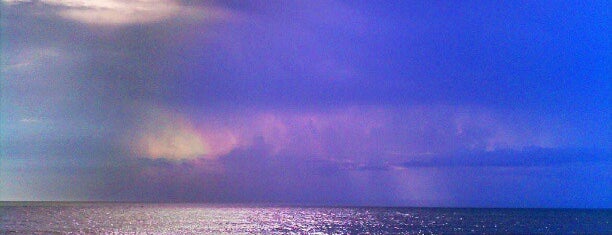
{"x":151,"y":218}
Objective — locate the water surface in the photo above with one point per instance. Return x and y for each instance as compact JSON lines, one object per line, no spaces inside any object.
{"x":219,"y":219}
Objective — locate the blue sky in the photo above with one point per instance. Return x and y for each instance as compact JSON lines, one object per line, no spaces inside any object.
{"x":467,"y":104}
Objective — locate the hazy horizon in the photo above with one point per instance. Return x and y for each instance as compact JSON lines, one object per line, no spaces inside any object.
{"x":284,"y":205}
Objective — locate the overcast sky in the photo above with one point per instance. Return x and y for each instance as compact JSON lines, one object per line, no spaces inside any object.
{"x":407,"y":103}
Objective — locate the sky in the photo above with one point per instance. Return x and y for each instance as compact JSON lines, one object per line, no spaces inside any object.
{"x":307,"y":102}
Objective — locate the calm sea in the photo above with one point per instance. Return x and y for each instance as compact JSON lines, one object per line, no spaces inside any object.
{"x":141,"y":218}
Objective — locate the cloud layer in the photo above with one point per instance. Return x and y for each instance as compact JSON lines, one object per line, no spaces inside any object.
{"x":328,"y":102}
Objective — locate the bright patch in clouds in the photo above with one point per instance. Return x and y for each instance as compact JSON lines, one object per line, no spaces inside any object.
{"x":170,"y":137}
{"x":175,"y":142}
{"x":173,"y":137}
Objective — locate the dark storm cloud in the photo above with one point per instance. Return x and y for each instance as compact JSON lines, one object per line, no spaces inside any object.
{"x":529,"y":157}
{"x":251,"y":174}
{"x":256,"y":175}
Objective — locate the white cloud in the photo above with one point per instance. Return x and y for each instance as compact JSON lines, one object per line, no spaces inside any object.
{"x":30,"y":120}
{"x":12,"y":2}
{"x":126,"y":12}
{"x":26,"y":59}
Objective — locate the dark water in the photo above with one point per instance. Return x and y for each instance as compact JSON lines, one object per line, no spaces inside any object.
{"x":131,"y":218}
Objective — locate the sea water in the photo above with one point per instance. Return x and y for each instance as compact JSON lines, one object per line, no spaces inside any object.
{"x":150,"y":218}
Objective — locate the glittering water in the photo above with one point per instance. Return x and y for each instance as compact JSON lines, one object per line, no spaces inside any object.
{"x":104,"y":218}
